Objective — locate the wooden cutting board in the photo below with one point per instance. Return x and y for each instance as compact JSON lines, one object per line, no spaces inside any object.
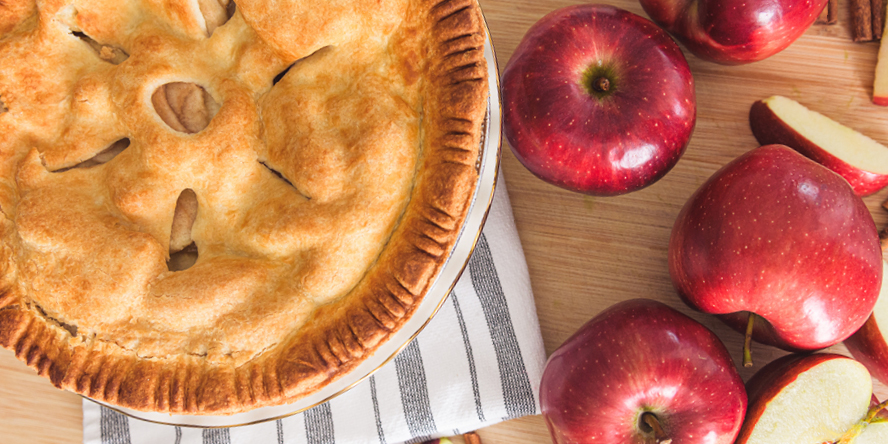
{"x":587,"y":253}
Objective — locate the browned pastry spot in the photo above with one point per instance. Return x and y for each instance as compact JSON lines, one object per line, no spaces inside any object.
{"x":3,"y":107}
{"x":13,"y":13}
{"x":185,"y":107}
{"x":107,"y":53}
{"x":103,"y":156}
{"x":215,"y":13}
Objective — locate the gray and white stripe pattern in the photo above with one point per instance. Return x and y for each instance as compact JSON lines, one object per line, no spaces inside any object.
{"x":478,"y":362}
{"x":114,"y":427}
{"x":516,"y":385}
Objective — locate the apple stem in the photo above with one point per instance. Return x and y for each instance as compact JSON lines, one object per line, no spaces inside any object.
{"x":858,"y":428}
{"x":747,"y":342}
{"x":601,"y":84}
{"x":651,"y":420}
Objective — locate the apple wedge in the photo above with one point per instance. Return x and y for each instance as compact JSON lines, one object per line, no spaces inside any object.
{"x":812,"y":399}
{"x":862,"y":161}
{"x":880,"y":83}
{"x":870,"y":344}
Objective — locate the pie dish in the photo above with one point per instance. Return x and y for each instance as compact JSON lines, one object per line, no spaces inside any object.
{"x":424,"y":312}
{"x":210,"y":208}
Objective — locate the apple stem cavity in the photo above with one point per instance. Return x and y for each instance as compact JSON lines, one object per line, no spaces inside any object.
{"x":601,"y":84}
{"x":747,"y":342}
{"x":653,"y":426}
{"x":599,"y":80}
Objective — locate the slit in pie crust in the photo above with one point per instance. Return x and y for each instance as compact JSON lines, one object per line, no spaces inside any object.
{"x":208,"y":207}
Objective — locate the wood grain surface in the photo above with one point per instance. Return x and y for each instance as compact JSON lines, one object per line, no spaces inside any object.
{"x":586,"y":253}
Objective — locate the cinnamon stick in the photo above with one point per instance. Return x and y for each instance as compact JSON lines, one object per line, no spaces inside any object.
{"x":829,"y":15}
{"x":472,"y":438}
{"x":862,"y":20}
{"x":832,"y":12}
{"x":877,"y":10}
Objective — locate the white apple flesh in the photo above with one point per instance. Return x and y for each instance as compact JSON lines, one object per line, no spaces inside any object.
{"x":875,"y":433}
{"x":862,"y":161}
{"x":811,"y":399}
{"x":880,"y":84}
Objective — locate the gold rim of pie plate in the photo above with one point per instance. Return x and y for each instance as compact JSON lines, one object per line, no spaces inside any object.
{"x":491,"y":153}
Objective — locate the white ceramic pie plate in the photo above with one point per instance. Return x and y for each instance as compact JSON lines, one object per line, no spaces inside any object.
{"x":433,"y":300}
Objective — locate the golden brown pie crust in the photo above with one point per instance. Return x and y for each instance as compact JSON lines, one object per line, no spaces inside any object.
{"x":326,"y":202}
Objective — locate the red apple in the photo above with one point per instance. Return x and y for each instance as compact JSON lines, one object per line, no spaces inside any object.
{"x":862,"y":161}
{"x":637,"y":367}
{"x":733,"y":32}
{"x":598,"y":100}
{"x":776,"y":234}
{"x":869,"y":345}
{"x":812,"y":399}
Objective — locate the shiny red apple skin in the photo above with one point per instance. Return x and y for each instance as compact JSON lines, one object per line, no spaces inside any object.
{"x":766,"y":383}
{"x":776,"y":234}
{"x":642,"y":355}
{"x":868,"y":345}
{"x":569,"y":137}
{"x":732,"y":32}
{"x":769,"y":129}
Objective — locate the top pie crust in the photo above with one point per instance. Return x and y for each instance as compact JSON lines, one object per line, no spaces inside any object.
{"x":320,"y":206}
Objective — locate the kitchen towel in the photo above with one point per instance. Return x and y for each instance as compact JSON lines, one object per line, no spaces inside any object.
{"x":478,"y":362}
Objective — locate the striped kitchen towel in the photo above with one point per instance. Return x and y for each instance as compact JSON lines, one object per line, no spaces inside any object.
{"x":478,"y":362}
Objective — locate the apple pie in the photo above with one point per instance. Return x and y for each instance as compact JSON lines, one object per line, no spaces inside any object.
{"x":210,"y":207}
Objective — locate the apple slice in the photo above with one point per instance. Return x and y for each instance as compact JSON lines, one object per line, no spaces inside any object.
{"x":870,"y":344}
{"x":812,"y":399}
{"x":880,"y":83}
{"x":862,"y":161}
